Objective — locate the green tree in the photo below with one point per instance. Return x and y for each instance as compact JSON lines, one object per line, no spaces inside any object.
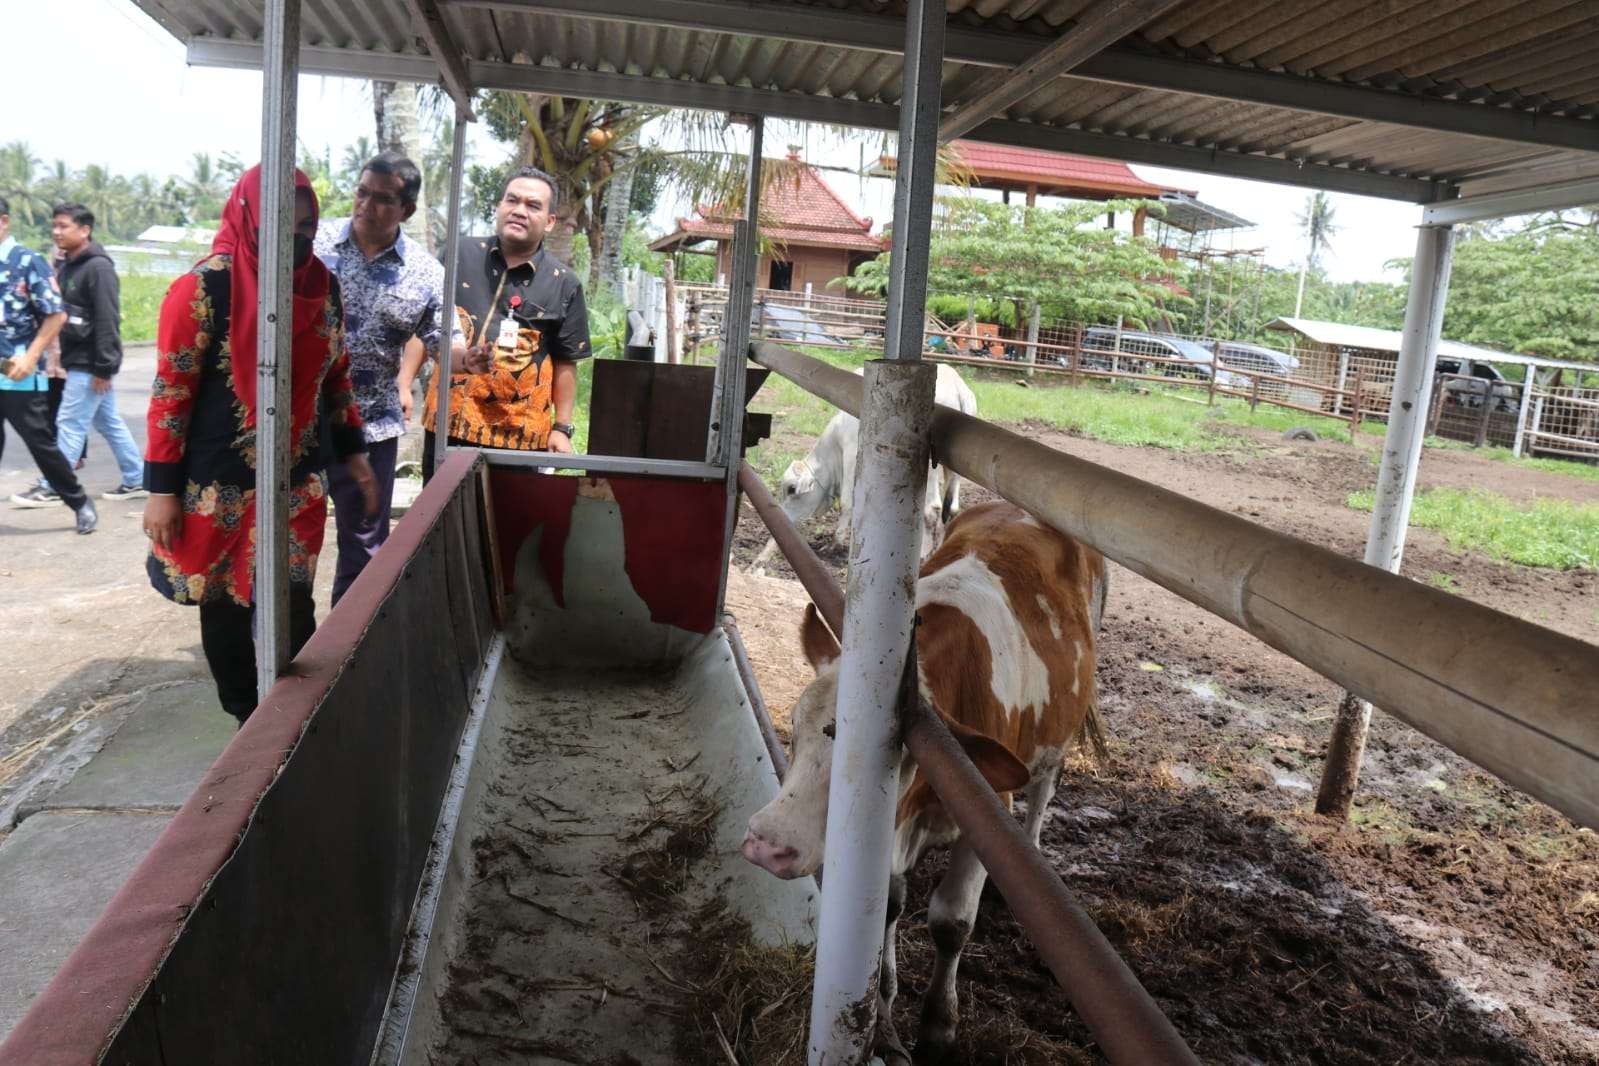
{"x":207,"y":187}
{"x":1534,"y":291}
{"x":1077,"y":270}
{"x":19,"y":184}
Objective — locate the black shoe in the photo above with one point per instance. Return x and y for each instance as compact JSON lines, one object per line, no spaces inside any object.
{"x":41,"y":495}
{"x":131,"y":490}
{"x":88,"y":517}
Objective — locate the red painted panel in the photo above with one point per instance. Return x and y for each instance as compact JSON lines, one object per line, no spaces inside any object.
{"x":672,"y":532}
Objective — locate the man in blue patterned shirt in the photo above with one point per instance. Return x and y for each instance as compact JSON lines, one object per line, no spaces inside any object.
{"x":393,"y":291}
{"x":31,"y":314}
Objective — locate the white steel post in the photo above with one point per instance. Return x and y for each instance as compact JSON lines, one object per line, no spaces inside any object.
{"x":452,"y":249}
{"x":274,"y":332}
{"x":880,"y":605}
{"x":726,"y":438}
{"x":1396,"y":483}
{"x":1525,"y":408}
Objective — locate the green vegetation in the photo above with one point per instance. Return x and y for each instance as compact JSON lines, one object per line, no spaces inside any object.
{"x":1444,"y":581}
{"x":1120,"y":415}
{"x":1551,"y":533}
{"x":1076,"y":269}
{"x":141,"y":306}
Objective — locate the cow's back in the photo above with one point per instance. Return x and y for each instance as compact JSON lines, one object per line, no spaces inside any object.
{"x":1006,"y":644}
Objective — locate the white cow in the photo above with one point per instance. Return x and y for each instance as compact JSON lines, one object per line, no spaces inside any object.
{"x":827,"y":473}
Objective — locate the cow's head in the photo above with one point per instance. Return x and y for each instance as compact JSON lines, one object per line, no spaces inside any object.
{"x":800,"y":493}
{"x":787,"y":836}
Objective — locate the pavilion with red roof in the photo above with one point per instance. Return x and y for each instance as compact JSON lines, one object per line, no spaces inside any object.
{"x":813,"y":236}
{"x":1033,"y":172}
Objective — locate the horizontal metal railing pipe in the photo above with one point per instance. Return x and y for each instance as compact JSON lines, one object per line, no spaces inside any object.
{"x":1515,"y":698}
{"x":1126,"y":1022}
{"x":1124,"y":1019}
{"x":819,"y":584}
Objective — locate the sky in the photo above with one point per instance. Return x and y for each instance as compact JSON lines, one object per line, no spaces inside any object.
{"x":146,"y":110}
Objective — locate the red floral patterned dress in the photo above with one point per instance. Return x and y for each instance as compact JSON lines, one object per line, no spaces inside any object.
{"x":200,"y":433}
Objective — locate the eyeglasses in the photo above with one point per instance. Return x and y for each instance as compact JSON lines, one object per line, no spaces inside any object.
{"x":382,"y":199}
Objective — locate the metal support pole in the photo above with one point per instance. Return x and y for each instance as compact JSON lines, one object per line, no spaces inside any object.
{"x":879,"y":619}
{"x":1033,"y":313}
{"x":274,"y":331}
{"x":1525,"y":409}
{"x":1396,"y":484}
{"x":452,"y":256}
{"x":726,"y":439}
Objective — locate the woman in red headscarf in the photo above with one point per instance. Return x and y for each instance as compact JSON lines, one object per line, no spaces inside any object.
{"x":200,"y":456}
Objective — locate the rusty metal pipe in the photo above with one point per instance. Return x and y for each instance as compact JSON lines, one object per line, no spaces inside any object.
{"x":1523,"y":711}
{"x":812,"y":573}
{"x":1126,"y":1022}
{"x":763,"y":717}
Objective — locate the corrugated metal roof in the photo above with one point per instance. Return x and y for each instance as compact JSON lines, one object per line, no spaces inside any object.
{"x":1387,"y":340}
{"x":1388,"y":97}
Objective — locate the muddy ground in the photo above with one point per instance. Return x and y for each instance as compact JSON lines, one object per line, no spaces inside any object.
{"x":1454,"y":921}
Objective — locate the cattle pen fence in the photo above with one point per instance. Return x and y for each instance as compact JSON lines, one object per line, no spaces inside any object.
{"x":1522,"y":715}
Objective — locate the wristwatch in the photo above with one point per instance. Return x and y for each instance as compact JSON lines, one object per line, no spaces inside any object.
{"x":563,"y":427}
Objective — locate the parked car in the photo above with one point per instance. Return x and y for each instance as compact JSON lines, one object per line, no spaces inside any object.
{"x":1257,"y":358}
{"x":1153,"y":353}
{"x":1489,"y":381}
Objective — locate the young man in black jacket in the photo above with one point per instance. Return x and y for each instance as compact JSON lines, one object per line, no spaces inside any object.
{"x":91,"y":354}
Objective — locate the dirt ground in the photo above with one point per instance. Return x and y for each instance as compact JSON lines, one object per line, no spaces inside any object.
{"x":1454,"y":921}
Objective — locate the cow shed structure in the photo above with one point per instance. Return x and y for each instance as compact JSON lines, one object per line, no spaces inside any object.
{"x":809,"y":236}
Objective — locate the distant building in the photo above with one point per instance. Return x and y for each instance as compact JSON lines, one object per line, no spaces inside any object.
{"x":812,"y":235}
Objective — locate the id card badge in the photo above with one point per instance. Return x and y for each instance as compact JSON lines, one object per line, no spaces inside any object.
{"x":507,"y":337}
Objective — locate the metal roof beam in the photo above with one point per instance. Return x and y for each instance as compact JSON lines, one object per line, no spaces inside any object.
{"x":671,"y":92}
{"x":989,"y":48}
{"x":1505,"y":204}
{"x":441,"y":45}
{"x":1103,"y":27}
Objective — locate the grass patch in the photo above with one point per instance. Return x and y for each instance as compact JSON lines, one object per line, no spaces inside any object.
{"x":141,"y":306}
{"x":1557,"y":534}
{"x":1443,"y":581}
{"x":1119,"y":415}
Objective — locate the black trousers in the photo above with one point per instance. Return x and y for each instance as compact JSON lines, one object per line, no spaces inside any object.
{"x":29,"y":415}
{"x":428,"y":438}
{"x":229,"y":645}
{"x":58,"y":388}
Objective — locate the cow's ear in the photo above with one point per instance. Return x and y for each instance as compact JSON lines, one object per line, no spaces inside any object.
{"x":816,"y":639}
{"x":999,"y":766}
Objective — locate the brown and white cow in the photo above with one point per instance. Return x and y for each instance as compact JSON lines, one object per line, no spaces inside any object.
{"x":1009,"y":610}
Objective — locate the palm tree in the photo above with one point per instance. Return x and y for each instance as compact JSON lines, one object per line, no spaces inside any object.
{"x":207,"y":186}
{"x":395,"y":107}
{"x":18,"y":182}
{"x":1316,"y":223}
{"x":355,"y":157}
{"x":104,"y":194}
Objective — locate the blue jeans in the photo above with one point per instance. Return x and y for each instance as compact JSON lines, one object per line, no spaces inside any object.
{"x":82,"y":407}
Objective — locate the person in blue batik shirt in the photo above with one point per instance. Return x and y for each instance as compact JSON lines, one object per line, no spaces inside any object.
{"x":31,"y":314}
{"x":393,"y":291}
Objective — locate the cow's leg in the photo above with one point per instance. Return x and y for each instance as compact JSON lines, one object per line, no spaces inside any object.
{"x":888,"y":1045}
{"x":950,"y":916}
{"x":846,"y":500}
{"x":1040,"y":790}
{"x":952,"y":494}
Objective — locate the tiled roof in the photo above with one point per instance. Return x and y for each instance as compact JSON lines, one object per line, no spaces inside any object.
{"x":805,"y":210}
{"x":991,"y":163}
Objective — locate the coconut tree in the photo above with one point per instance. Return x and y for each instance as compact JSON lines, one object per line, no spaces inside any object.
{"x":1316,"y":223}
{"x":19,"y":183}
{"x":207,"y":186}
{"x":396,"y":111}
